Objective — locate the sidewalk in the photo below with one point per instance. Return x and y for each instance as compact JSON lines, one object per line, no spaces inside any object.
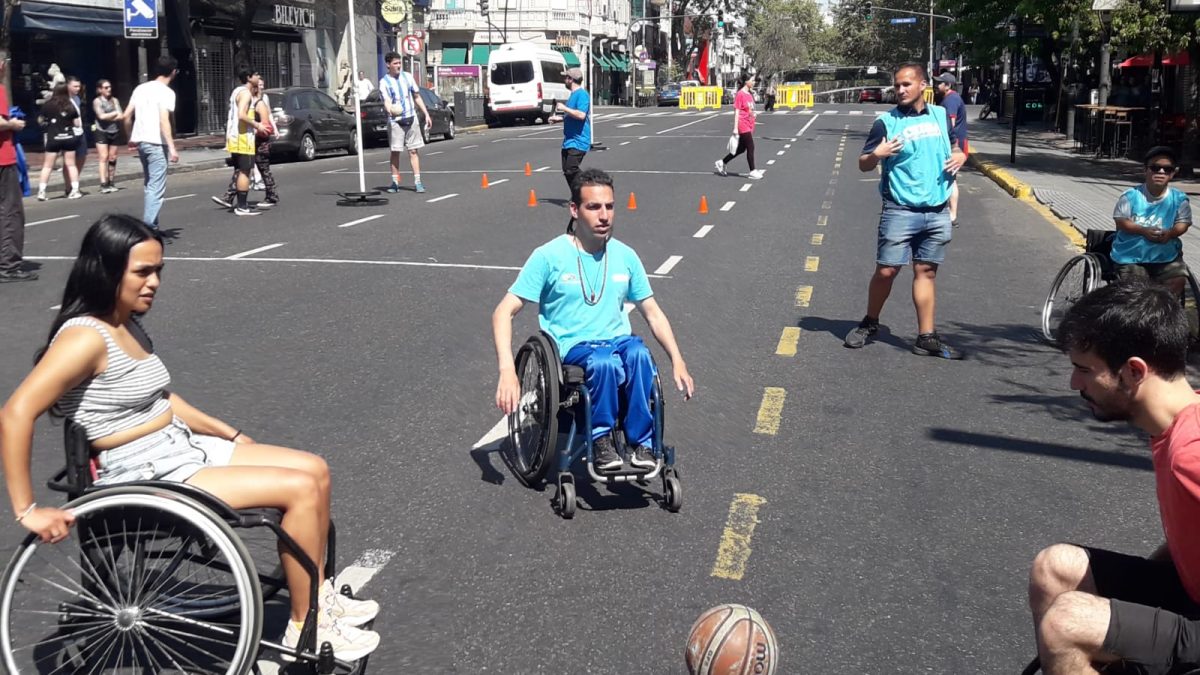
{"x":196,"y":153}
{"x":1075,"y":187}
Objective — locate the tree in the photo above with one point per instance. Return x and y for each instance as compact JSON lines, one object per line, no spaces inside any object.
{"x":786,"y":35}
{"x":875,"y":41}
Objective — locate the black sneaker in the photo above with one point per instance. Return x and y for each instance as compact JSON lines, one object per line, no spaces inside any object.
{"x":605,"y":456}
{"x":19,"y":275}
{"x":865,"y":330}
{"x":643,"y":458}
{"x":930,"y":344}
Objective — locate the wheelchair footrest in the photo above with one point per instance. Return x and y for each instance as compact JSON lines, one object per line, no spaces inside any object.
{"x":624,"y":474}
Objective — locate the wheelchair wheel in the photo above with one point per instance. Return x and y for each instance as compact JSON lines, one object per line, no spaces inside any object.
{"x":533,"y":428}
{"x":132,"y":589}
{"x":1077,"y":278}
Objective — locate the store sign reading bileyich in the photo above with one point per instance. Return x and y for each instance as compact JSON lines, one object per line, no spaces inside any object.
{"x":297,"y":17}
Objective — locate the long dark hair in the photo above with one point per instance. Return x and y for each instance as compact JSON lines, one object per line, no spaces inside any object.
{"x":96,"y":276}
{"x":59,"y":101}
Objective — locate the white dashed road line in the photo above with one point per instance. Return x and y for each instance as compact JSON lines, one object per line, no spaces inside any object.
{"x":770,"y":162}
{"x":670,"y":264}
{"x":541,"y":168}
{"x":745,"y":188}
{"x":468,"y":147}
{"x":367,"y":565}
{"x":260,"y":249}
{"x":360,"y":221}
{"x":727,"y":206}
{"x":781,"y":152}
{"x":167,"y":199}
{"x":497,"y":182}
{"x":438,"y":199}
{"x":700,"y":233}
{"x":702,"y":119}
{"x":49,"y":220}
{"x":431,"y":154}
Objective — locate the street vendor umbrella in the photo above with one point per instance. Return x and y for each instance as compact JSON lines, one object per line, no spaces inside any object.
{"x":1147,"y":60}
{"x":363,"y":197}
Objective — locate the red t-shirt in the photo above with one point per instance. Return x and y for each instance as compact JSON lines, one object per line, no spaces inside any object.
{"x":8,"y":151}
{"x":744,"y":103}
{"x":1176,"y":454}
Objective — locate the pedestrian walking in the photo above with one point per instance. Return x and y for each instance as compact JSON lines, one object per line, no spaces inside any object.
{"x":401,"y":99}
{"x":12,"y":207}
{"x":363,"y":86}
{"x":241,"y":128}
{"x":59,"y":119}
{"x":262,"y":156}
{"x":744,"y":117}
{"x":75,"y":89}
{"x":147,"y":120}
{"x":576,"y":118}
{"x":915,"y":143}
{"x":770,"y":105}
{"x":107,"y":110}
{"x":957,"y":111}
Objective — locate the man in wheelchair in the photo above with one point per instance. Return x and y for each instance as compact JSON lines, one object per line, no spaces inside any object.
{"x":581,"y":282}
{"x":1150,"y":219}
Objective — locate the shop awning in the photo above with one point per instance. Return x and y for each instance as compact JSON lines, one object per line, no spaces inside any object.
{"x":568,"y":55}
{"x":1147,"y":60}
{"x":620,"y":63}
{"x":33,"y":16}
{"x":602,"y":61}
{"x":454,"y":56}
{"x":479,"y":54}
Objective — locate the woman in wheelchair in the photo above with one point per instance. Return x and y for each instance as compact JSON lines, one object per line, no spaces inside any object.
{"x":99,"y":370}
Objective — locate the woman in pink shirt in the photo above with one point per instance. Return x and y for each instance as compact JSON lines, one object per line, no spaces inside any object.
{"x":743,"y":128}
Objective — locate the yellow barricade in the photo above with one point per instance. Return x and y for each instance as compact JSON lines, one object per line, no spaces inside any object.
{"x":929,"y":94}
{"x":700,"y":98}
{"x":794,"y":96}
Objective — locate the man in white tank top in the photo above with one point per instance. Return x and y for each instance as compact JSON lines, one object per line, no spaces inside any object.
{"x":240,"y":128}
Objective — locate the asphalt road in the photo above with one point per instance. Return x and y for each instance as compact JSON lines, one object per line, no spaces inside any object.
{"x":899,"y":499}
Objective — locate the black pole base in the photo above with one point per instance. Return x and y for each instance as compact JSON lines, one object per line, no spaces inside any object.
{"x":371,"y":198}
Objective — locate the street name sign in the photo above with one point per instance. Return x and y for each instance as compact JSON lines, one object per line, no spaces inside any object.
{"x":903,"y":19}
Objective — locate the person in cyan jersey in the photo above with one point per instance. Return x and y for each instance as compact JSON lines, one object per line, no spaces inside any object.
{"x":1150,"y":219}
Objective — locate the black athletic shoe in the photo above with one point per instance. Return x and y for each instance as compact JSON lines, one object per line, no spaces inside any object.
{"x":605,"y":456}
{"x":19,"y":275}
{"x":930,"y":344}
{"x":643,"y":458}
{"x":866,"y":329}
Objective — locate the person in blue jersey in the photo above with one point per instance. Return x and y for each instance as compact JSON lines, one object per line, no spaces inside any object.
{"x":915,"y":144}
{"x":576,"y":116}
{"x":956,"y":109}
{"x":581,"y":281}
{"x":1150,"y":220}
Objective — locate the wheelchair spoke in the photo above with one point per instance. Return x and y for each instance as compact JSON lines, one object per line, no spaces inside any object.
{"x":170,"y":654}
{"x":89,"y":574}
{"x":188,"y":640}
{"x":88,"y":634}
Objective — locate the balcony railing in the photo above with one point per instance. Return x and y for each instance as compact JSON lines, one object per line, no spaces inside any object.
{"x":553,"y":20}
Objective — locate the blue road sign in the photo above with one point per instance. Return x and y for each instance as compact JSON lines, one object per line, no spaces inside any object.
{"x":904,"y":19}
{"x":141,"y":19}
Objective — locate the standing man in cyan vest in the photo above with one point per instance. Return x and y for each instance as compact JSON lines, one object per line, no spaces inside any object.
{"x":920,"y":156}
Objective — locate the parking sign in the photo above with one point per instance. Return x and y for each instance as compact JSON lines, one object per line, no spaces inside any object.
{"x":141,"y":19}
{"x":410,"y":45}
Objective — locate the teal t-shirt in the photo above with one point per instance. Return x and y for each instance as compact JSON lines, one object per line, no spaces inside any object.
{"x":551,"y":278}
{"x":916,"y":177}
{"x":1135,"y":204}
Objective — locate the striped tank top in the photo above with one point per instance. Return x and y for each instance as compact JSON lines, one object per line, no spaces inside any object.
{"x":239,"y":136}
{"x":129,"y":392}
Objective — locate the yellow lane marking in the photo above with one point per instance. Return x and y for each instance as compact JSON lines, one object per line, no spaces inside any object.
{"x":734,"y":551}
{"x":803,"y":296}
{"x":788,"y":341}
{"x":826,"y":205}
{"x":818,"y":239}
{"x":830,"y":192}
{"x":811,"y":263}
{"x":832,"y":181}
{"x":770,"y":411}
{"x":822,"y":221}
{"x":835,"y":172}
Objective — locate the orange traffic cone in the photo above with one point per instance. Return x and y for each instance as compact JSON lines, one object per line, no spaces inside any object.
{"x":483,"y":183}
{"x":703,"y":204}
{"x":528,"y":169}
{"x":632,"y":202}
{"x":532,"y":199}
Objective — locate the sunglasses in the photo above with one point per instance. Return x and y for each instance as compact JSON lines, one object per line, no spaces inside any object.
{"x":1161,"y":168}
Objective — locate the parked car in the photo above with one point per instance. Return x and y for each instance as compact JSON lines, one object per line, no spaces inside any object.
{"x":727,"y":95}
{"x":375,"y":118}
{"x":668,"y":94}
{"x":872,"y":95}
{"x":308,"y":121}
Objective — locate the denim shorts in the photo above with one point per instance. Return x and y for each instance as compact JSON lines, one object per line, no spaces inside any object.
{"x":173,"y":453}
{"x":912,"y":234}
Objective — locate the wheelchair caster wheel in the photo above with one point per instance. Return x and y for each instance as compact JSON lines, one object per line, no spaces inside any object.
{"x":565,"y":500}
{"x":674,"y":494}
{"x":346,"y":591}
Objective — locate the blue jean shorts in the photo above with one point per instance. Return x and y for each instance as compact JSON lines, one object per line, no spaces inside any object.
{"x":909,"y":234}
{"x":173,"y":453}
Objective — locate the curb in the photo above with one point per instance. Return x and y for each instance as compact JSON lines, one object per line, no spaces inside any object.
{"x":1023,"y":192}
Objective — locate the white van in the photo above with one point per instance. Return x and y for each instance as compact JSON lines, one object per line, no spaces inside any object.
{"x":525,"y":80}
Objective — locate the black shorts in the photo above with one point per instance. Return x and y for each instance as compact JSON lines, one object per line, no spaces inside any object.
{"x":243,"y":163}
{"x":50,"y":144}
{"x":107,"y":137}
{"x":1153,"y":625}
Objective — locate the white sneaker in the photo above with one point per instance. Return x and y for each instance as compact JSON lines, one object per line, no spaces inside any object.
{"x":239,"y":211}
{"x":756,"y":174}
{"x":41,"y":196}
{"x":349,"y":643}
{"x":720,"y":168}
{"x":347,"y":611}
{"x":75,"y":194}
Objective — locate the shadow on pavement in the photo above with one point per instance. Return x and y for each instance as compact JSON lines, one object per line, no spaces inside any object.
{"x":1027,"y":447}
{"x":1003,"y":344}
{"x":620,"y":496}
{"x":839,"y":327}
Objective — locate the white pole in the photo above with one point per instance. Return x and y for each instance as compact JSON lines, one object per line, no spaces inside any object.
{"x":362,"y":176}
{"x":930,"y":73}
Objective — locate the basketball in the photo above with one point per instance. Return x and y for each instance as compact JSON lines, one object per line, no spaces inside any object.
{"x":732,"y":640}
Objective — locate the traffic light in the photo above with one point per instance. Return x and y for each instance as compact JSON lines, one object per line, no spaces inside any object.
{"x":868,"y":10}
{"x":483,"y":7}
{"x":720,"y":19}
